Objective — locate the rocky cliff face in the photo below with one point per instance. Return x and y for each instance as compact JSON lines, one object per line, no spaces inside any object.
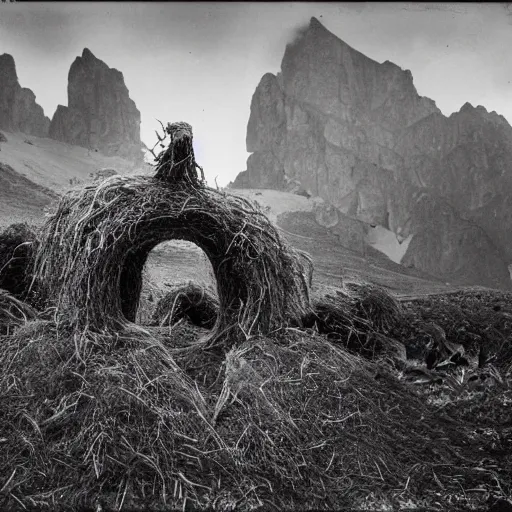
{"x":100,"y":114}
{"x":357,"y":134}
{"x":19,"y":111}
{"x":448,"y":245}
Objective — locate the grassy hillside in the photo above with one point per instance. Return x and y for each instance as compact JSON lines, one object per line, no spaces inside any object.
{"x":34,"y":170}
{"x":20,"y":198}
{"x":53,"y":164}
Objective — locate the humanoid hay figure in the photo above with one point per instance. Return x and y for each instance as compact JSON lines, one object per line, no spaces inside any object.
{"x":177,"y":162}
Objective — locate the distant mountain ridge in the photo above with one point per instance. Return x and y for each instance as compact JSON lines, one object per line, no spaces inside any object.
{"x":357,"y":134}
{"x":100,"y":114}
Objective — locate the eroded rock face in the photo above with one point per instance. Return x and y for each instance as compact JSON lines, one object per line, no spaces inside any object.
{"x":100,"y":114}
{"x":467,"y":159}
{"x":448,"y":246}
{"x":19,"y":111}
{"x":356,"y":133}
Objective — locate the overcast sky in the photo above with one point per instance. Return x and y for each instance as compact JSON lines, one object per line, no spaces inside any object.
{"x":201,"y":62}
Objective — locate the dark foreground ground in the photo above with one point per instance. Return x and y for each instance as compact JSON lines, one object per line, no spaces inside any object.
{"x":410,"y":413}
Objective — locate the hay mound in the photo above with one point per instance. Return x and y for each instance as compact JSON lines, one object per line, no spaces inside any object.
{"x":16,"y":259}
{"x":82,"y":421}
{"x":292,"y":423}
{"x":358,"y":315}
{"x":187,"y":301}
{"x":94,"y":247}
{"x":13,"y":313}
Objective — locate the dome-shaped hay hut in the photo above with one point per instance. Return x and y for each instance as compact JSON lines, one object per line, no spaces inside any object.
{"x":93,"y":249}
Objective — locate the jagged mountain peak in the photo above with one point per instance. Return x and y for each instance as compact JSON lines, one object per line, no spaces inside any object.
{"x":87,"y":54}
{"x":100,"y":114}
{"x":7,"y":65}
{"x":315,"y":33}
{"x":89,"y":64}
{"x":357,"y":133}
{"x":18,"y":108}
{"x":315,"y":23}
{"x":481,"y":113}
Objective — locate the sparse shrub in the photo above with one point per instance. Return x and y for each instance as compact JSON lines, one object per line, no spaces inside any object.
{"x":379,"y":307}
{"x":187,"y":301}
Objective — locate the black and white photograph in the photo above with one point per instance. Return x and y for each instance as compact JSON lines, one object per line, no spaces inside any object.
{"x":255,"y":256}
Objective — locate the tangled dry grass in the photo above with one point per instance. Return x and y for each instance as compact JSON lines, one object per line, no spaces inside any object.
{"x":13,"y":313}
{"x":358,"y":316}
{"x":291,"y":422}
{"x":199,"y":305}
{"x":94,"y":247}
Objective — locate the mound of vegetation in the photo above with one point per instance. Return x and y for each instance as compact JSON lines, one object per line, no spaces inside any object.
{"x":292,"y":422}
{"x":479,"y":320}
{"x":190,"y":301}
{"x":358,"y":316}
{"x":94,"y":247}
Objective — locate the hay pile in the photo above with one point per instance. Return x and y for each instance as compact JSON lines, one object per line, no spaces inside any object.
{"x":177,"y":163}
{"x":197,"y":304}
{"x":80,"y":420}
{"x":359,"y":316}
{"x":293,"y":422}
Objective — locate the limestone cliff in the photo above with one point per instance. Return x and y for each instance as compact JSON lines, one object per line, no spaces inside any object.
{"x":100,"y":114}
{"x":356,"y":133}
{"x":445,"y":244}
{"x":19,"y":111}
